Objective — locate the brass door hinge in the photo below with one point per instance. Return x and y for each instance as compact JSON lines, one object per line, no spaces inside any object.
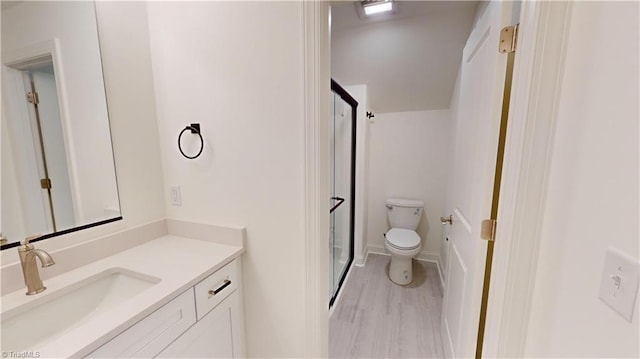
{"x":45,"y":183}
{"x":508,"y":39}
{"x":33,"y":97}
{"x":488,"y":230}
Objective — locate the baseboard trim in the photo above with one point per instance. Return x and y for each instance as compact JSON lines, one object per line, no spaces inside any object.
{"x":432,"y":257}
{"x":360,"y":262}
{"x":424,"y":256}
{"x":377,"y":249}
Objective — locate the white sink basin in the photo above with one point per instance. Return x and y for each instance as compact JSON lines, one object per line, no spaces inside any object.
{"x":51,"y":315}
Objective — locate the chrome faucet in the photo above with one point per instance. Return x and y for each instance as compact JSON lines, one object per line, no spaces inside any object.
{"x":28,"y":255}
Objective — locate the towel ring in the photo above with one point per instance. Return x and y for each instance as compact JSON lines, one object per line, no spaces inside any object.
{"x":194,"y":128}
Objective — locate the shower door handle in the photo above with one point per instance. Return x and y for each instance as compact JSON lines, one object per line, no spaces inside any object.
{"x":340,"y":201}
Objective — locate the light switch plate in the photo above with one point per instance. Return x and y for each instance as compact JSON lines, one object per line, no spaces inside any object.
{"x":619,"y":283}
{"x":174,"y":194}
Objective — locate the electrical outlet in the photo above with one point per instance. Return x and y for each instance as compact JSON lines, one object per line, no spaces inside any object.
{"x":619,"y":283}
{"x":174,"y":194}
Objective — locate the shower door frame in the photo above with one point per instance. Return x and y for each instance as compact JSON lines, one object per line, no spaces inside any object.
{"x":344,"y":95}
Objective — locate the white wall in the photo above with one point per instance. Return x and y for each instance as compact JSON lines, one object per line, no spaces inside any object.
{"x":408,"y":159}
{"x":237,"y":69}
{"x":24,"y":210}
{"x":54,"y":147}
{"x":12,"y":205}
{"x":359,"y":93}
{"x":124,"y":34}
{"x":405,"y":60}
{"x":592,"y":199}
{"x":449,"y":207}
{"x":84,"y":108}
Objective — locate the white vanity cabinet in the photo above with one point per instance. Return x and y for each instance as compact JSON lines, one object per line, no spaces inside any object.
{"x":205,"y":321}
{"x":217,"y":335}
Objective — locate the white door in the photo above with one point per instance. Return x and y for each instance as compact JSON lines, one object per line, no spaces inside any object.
{"x":20,"y":168}
{"x":481,"y":90}
{"x":53,"y":141}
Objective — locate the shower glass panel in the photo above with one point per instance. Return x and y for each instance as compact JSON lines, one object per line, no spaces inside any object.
{"x":342,"y":154}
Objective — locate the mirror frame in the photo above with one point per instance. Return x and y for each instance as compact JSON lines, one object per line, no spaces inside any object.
{"x":62,"y":232}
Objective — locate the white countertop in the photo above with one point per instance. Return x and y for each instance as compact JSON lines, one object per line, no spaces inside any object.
{"x":179,"y":262}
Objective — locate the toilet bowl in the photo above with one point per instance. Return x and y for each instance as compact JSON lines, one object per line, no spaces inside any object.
{"x":402,"y":241}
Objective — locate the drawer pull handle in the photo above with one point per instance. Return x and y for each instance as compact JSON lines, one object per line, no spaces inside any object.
{"x":213,"y":292}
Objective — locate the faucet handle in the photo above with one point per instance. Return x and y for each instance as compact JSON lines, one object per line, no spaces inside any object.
{"x":25,"y":242}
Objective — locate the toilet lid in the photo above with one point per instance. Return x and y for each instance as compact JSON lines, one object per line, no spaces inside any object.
{"x":403,"y":238}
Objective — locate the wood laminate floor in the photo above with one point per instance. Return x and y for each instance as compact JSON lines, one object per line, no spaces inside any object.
{"x":375,"y":318}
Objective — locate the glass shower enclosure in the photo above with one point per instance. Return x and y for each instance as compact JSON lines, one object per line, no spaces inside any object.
{"x":342,"y":177}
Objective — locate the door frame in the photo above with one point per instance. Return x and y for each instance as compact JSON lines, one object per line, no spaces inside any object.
{"x":315,"y":26}
{"x":537,"y":77}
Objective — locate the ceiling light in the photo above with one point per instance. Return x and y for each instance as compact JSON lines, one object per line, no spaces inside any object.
{"x":372,"y":7}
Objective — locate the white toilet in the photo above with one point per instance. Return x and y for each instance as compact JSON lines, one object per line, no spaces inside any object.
{"x":401,"y":240}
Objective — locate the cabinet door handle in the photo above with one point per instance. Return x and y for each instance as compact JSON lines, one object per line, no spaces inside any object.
{"x":213,"y":292}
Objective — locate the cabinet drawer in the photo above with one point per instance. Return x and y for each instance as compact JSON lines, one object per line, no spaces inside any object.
{"x":213,"y":289}
{"x":152,"y":334}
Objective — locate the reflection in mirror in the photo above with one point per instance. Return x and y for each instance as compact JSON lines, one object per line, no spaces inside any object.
{"x":57,"y":169}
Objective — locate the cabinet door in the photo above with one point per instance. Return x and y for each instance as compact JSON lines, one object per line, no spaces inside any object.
{"x":217,"y":335}
{"x":152,"y":334}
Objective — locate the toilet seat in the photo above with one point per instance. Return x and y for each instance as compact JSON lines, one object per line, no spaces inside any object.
{"x":403,"y":239}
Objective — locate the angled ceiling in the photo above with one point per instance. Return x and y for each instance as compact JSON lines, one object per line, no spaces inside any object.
{"x":408,"y":61}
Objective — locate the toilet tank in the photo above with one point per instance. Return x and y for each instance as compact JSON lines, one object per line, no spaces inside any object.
{"x":404,"y":213}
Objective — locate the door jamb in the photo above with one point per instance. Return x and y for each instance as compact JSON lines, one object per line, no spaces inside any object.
{"x":544,"y":28}
{"x":315,"y":24}
{"x":538,"y":70}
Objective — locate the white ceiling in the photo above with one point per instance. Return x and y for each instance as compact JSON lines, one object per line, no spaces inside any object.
{"x":408,"y":61}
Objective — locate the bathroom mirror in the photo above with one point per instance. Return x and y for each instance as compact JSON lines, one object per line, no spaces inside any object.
{"x":57,"y":168}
